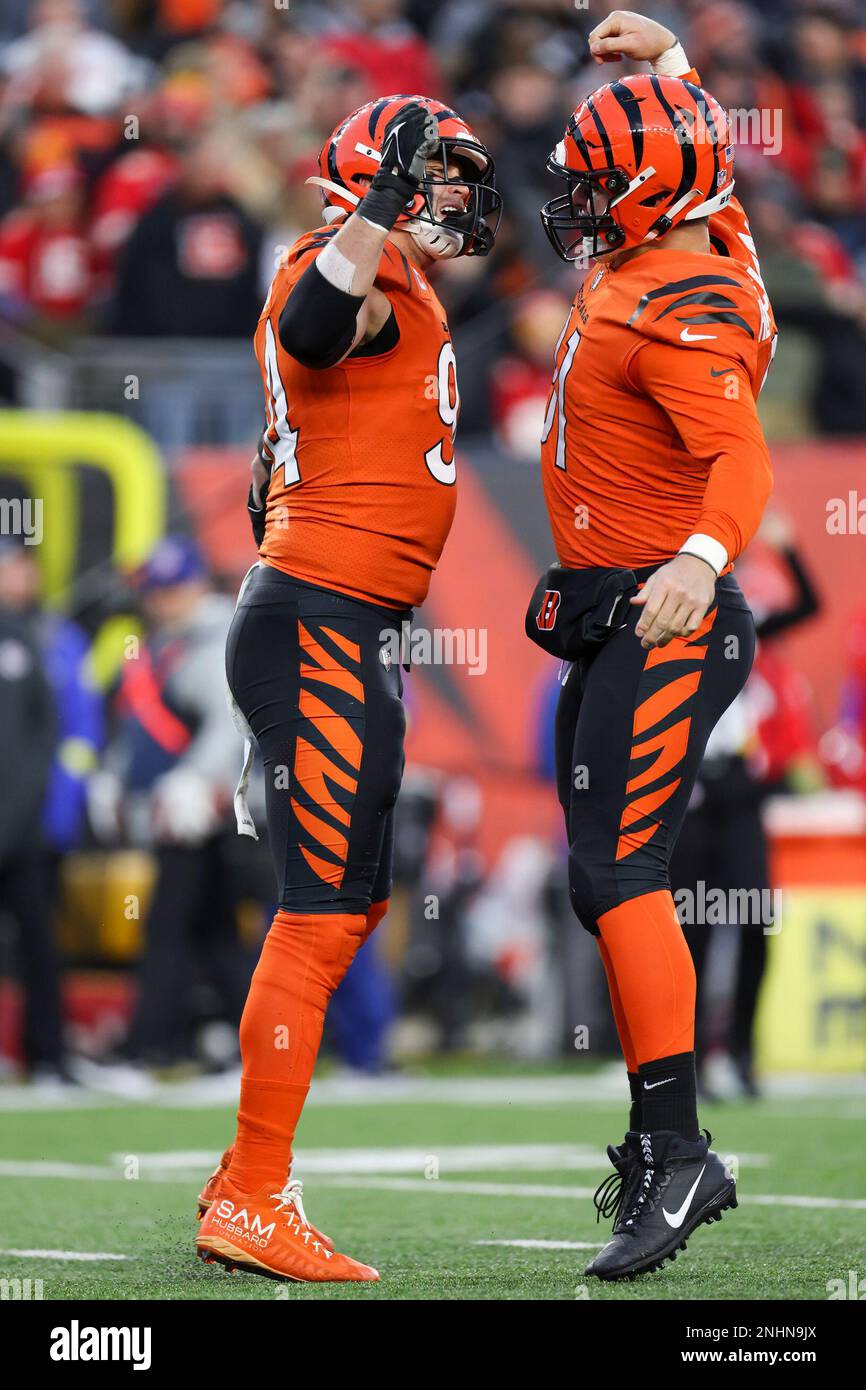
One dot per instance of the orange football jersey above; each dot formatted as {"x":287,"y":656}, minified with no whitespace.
{"x":363,"y":483}
{"x":652,"y":432}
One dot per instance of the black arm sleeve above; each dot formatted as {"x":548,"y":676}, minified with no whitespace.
{"x":805,"y":604}
{"x":318,"y":322}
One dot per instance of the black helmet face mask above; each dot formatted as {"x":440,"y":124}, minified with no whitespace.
{"x":469,"y":227}
{"x":578,"y":223}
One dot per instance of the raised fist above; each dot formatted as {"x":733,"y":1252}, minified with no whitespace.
{"x":411,"y":137}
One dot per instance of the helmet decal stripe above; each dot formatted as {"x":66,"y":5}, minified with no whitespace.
{"x":582,"y":147}
{"x":703,"y":106}
{"x":376,"y":112}
{"x":690,"y":162}
{"x":631,"y":106}
{"x":599,"y":125}
{"x":334,"y":172}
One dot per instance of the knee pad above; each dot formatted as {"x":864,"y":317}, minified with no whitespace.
{"x":604,"y":871}
{"x":592,"y":865}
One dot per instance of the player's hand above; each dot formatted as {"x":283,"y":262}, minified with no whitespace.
{"x":411,"y":137}
{"x":257,"y":500}
{"x":625,"y":34}
{"x":674,"y":600}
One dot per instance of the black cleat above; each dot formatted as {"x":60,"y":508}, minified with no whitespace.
{"x":675,"y":1186}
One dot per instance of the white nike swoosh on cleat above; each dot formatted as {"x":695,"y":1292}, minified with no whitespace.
{"x":651,"y":1085}
{"x":677,"y":1218}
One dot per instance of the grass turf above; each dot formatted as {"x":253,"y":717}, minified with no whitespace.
{"x":423,"y":1239}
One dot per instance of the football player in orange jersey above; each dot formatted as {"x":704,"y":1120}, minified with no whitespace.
{"x":353,"y":497}
{"x":655,"y":474}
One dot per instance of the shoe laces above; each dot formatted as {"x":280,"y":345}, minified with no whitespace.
{"x":609,"y":1196}
{"x":647,"y":1181}
{"x":292,"y":1195}
{"x":290,"y":1204}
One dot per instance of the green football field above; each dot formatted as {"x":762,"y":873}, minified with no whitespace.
{"x":454,"y":1187}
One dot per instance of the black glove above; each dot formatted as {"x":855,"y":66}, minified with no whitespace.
{"x":411,"y":137}
{"x":257,"y":514}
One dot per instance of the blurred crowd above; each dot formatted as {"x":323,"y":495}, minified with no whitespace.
{"x":153,"y":156}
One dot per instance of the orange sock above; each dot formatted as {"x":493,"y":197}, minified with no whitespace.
{"x":303,"y":959}
{"x":654,"y":976}
{"x":619,"y":1018}
{"x":375,"y":913}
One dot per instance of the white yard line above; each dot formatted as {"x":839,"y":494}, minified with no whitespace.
{"x":838,"y":1097}
{"x":450,"y":1158}
{"x":377,"y":1169}
{"x":545,"y":1244}
{"x":193,"y":1165}
{"x":534,"y":1191}
{"x":39,"y":1168}
{"x":455,"y":1158}
{"x":85,"y":1255}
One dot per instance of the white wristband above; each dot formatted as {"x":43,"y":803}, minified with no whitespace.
{"x":672,"y":63}
{"x":706,"y":548}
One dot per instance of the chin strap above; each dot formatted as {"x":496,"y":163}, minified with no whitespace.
{"x":442,"y":243}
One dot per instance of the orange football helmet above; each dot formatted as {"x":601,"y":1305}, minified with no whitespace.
{"x":638,"y":156}
{"x":351,"y":157}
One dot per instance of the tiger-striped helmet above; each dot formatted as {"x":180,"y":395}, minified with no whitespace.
{"x":351,"y":156}
{"x":639,"y":156}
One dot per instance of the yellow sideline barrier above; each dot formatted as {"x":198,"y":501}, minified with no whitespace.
{"x":812,"y":1015}
{"x":106,"y":895}
{"x":44,"y":450}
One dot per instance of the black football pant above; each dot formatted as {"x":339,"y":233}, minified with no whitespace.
{"x":631,"y":728}
{"x":317,"y":677}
